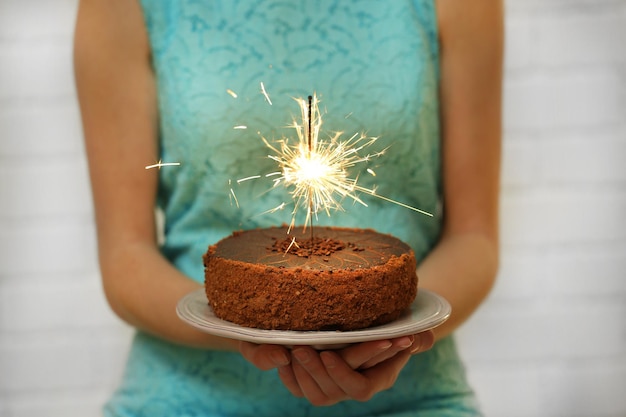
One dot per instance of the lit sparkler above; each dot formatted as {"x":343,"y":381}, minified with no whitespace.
{"x":316,"y":170}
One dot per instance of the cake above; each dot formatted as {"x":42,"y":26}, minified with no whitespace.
{"x":331,"y":279}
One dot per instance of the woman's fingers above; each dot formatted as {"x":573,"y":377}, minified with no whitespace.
{"x":357,"y":372}
{"x":362,"y":385}
{"x":423,"y":342}
{"x":360,"y":353}
{"x":397,"y":345}
{"x":315,"y":383}
{"x":264,"y":357}
{"x":288,"y":378}
{"x":368,"y":354}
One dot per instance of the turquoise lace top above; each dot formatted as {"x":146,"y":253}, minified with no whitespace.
{"x":221,"y":65}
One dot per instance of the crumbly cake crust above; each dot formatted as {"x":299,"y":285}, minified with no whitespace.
{"x":350,"y":279}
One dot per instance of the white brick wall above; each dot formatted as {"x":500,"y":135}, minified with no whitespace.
{"x":551,"y":339}
{"x":61,"y":349}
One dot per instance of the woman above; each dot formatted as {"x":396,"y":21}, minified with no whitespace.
{"x":157,"y":80}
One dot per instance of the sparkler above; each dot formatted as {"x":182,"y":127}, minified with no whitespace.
{"x":316,"y":170}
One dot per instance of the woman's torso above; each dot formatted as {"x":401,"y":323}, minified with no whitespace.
{"x":374,"y":65}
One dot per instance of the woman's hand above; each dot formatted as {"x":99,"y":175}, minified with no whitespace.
{"x":328,"y":377}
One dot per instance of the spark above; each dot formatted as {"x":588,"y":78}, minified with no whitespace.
{"x":162,"y":164}
{"x":232,"y":93}
{"x":233,"y":196}
{"x":252,"y":177}
{"x":279,"y":207}
{"x":267,"y":97}
{"x":240,"y":127}
{"x":293,"y":242}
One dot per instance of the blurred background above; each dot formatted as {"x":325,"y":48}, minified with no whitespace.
{"x":550,"y":340}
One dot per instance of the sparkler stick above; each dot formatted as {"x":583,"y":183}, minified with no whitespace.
{"x":310,"y":153}
{"x":309,"y":130}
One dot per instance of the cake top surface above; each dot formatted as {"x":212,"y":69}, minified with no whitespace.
{"x":331,"y":248}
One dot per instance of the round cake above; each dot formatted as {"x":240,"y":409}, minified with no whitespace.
{"x":331,"y":279}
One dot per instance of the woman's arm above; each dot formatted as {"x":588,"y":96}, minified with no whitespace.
{"x":117,"y":97}
{"x":463,"y":265}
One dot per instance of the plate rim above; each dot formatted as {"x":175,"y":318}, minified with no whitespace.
{"x":403,"y":326}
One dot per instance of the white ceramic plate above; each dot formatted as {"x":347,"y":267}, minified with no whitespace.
{"x":428,"y":311}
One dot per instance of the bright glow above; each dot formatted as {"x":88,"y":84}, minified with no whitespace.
{"x":308,"y":170}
